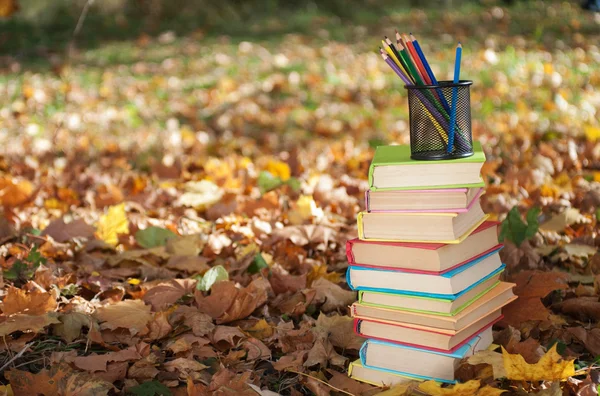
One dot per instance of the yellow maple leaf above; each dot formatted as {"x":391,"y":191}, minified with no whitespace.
{"x":592,"y":133}
{"x":112,"y":223}
{"x":550,"y":367}
{"x":396,"y":390}
{"x":279,"y":169}
{"x":320,"y":271}
{"x":470,"y":388}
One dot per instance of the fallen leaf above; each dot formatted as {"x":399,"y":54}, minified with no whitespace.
{"x":189,"y":264}
{"x":590,"y":338}
{"x":129,"y":314}
{"x":159,"y":326}
{"x":184,"y":366}
{"x":550,"y":367}
{"x":113,"y":223}
{"x":96,"y":362}
{"x":470,"y":388}
{"x":21,"y":322}
{"x":63,"y":232}
{"x":200,"y":323}
{"x":225,"y":382}
{"x":343,"y":382}
{"x":153,"y":236}
{"x":583,"y":308}
{"x":559,"y":222}
{"x":578,"y":250}
{"x":333,"y":296}
{"x":71,"y":324}
{"x":185,"y":342}
{"x":216,"y":274}
{"x":166,"y":294}
{"x":261,"y":330}
{"x":522,"y":310}
{"x":256,"y":350}
{"x":32,"y":303}
{"x":492,"y":358}
{"x":228,"y":334}
{"x":200,"y":194}
{"x":13,"y":192}
{"x":339,"y":330}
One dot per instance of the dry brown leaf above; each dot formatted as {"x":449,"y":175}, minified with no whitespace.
{"x":64,"y":232}
{"x":95,"y":362}
{"x":583,"y":308}
{"x":159,"y":326}
{"x":260,"y":330}
{"x":339,"y":330}
{"x":559,"y":222}
{"x":227,"y":334}
{"x":523,"y":310}
{"x":32,"y":303}
{"x":71,"y":324}
{"x":333,"y":296}
{"x":200,"y":323}
{"x":539,"y":284}
{"x":166,"y":294}
{"x":190,"y":264}
{"x":225,"y":382}
{"x":590,"y":338}
{"x":256,"y":349}
{"x":342,"y":381}
{"x":185,"y":342}
{"x":20,"y":322}
{"x":129,"y":314}
{"x":184,"y":366}
{"x":282,"y":281}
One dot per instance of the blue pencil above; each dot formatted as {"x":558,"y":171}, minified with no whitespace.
{"x":454,"y":98}
{"x":429,"y":72}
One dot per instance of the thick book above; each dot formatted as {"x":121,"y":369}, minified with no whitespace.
{"x":375,"y":376}
{"x":423,"y":257}
{"x":392,"y":168}
{"x":493,"y":276}
{"x":431,"y":338}
{"x":427,"y":304}
{"x":419,"y":227}
{"x":498,"y":297}
{"x":445,"y":200}
{"x":420,"y":363}
{"x":451,"y":282}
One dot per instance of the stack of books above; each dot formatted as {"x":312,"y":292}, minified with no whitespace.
{"x":426,"y":266}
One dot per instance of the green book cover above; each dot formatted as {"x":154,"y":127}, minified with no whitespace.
{"x":453,"y":313}
{"x":400,"y":155}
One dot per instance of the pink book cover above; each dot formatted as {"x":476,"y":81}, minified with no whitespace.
{"x":448,"y":210}
{"x":427,"y":246}
{"x":357,"y":331}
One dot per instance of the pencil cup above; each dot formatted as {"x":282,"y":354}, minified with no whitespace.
{"x":430,"y":112}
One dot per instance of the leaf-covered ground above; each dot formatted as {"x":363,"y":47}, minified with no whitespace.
{"x":176,"y":207}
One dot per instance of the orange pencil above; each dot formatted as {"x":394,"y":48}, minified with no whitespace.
{"x":417,"y":60}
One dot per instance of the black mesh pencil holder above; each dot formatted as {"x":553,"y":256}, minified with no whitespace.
{"x":430,"y":112}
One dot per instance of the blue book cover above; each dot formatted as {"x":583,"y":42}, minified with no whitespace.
{"x":460,"y":353}
{"x":449,"y":274}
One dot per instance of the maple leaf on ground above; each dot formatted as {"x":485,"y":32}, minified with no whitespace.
{"x":167,"y":293}
{"x":184,"y":366}
{"x":35,"y":302}
{"x":550,"y":367}
{"x":200,"y":323}
{"x":492,"y":358}
{"x":294,"y":360}
{"x":583,"y":308}
{"x":282,"y":282}
{"x":226,"y":382}
{"x":185,"y":342}
{"x":71,"y":324}
{"x":129,"y":314}
{"x":256,"y":350}
{"x":113,"y":223}
{"x":343,"y":382}
{"x":470,"y":388}
{"x":63,"y":232}
{"x":590,"y":338}
{"x":332,"y":295}
{"x":95,"y":362}
{"x":304,"y":234}
{"x":21,"y":322}
{"x":159,"y":326}
{"x":226,"y":333}
{"x":339,"y":330}
{"x":260,"y":330}
{"x":59,"y":379}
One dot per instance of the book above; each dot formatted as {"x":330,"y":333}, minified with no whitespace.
{"x":423,"y":257}
{"x":420,"y":363}
{"x":446,"y":200}
{"x":494,"y":275}
{"x":499,"y":296}
{"x":451,"y":282}
{"x":392,"y":168}
{"x":427,"y":304}
{"x":419,"y":227}
{"x":375,"y":376}
{"x":431,"y":338}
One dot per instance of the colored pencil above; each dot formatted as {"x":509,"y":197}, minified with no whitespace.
{"x":397,"y":54}
{"x":436,"y":118}
{"x":429,"y":72}
{"x":417,"y":60}
{"x":454,"y":97}
{"x":388,"y":49}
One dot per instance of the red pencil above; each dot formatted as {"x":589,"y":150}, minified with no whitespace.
{"x":417,"y":60}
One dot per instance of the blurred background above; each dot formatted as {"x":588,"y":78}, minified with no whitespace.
{"x":173,"y":83}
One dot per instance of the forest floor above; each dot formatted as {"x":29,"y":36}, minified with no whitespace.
{"x":176,"y":207}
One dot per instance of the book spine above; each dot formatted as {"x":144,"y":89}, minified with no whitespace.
{"x":359,"y":224}
{"x":349,"y":254}
{"x":362,"y":353}
{"x":360,"y":297}
{"x":348,"y":280}
{"x":357,"y":327}
{"x":367,"y":201}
